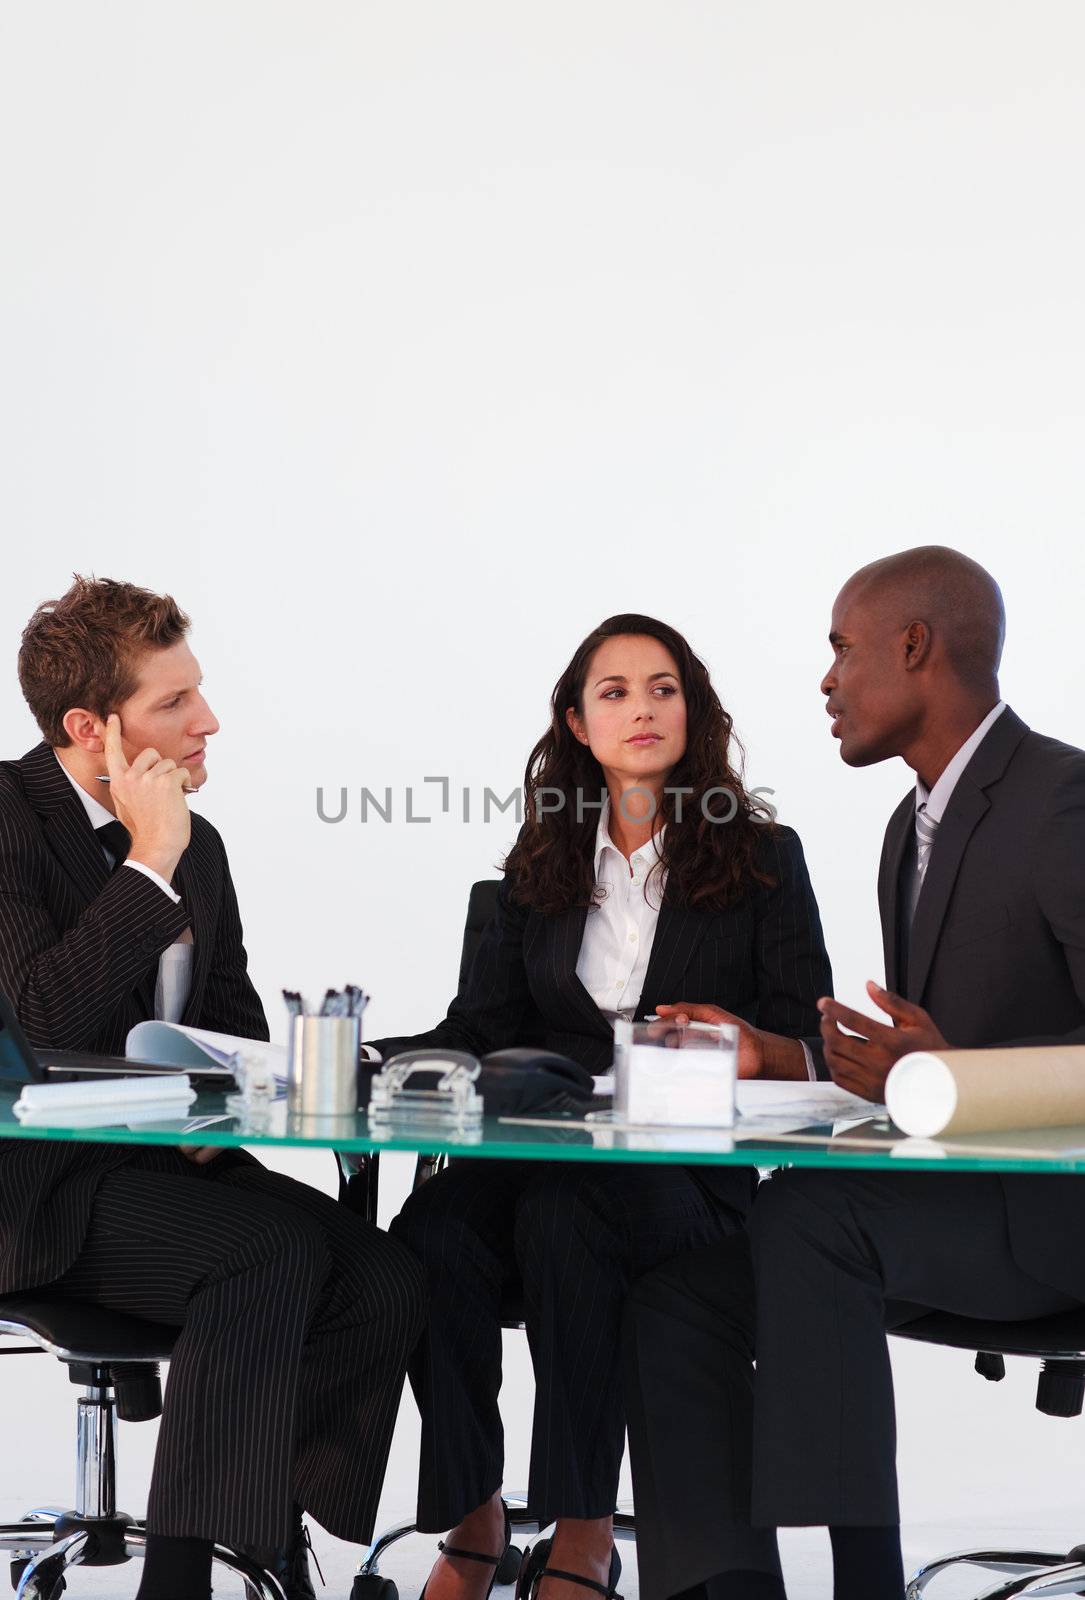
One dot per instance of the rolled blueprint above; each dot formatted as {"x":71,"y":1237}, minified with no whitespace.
{"x":930,"y":1093}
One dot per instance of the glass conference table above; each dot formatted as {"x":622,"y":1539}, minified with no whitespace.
{"x":867,"y":1142}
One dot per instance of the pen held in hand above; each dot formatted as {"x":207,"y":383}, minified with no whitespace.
{"x":103,"y":777}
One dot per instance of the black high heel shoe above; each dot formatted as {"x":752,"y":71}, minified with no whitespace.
{"x":533,"y":1569}
{"x":473,"y":1555}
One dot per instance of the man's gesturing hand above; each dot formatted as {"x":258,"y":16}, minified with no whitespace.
{"x":149,"y":799}
{"x":863,"y":1063}
{"x":760,"y":1054}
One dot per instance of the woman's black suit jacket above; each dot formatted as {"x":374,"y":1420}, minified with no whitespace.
{"x":763,"y":959}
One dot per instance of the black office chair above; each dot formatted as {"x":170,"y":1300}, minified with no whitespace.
{"x":1059,"y":1344}
{"x":481,"y":906}
{"x":115,"y":1359}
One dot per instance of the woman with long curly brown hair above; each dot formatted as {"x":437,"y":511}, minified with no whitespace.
{"x":644,"y":876}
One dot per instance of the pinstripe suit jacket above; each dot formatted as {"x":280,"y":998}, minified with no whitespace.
{"x":79,"y":951}
{"x":763,"y":959}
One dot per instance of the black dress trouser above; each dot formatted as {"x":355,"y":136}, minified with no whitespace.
{"x":296,"y":1320}
{"x":838,"y":1259}
{"x":557,"y":1244}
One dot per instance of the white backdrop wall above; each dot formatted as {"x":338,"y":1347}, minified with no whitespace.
{"x":405,"y":342}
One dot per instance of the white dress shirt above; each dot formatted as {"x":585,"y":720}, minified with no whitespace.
{"x":620,"y":929}
{"x":175,"y":963}
{"x":937,"y":799}
{"x":933,"y":802}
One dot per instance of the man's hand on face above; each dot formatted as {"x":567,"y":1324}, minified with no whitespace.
{"x":149,"y":797}
{"x":861,"y":1060}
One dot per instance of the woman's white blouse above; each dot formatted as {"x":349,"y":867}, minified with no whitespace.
{"x":620,"y":930}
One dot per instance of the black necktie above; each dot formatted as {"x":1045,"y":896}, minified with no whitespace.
{"x":117,"y":840}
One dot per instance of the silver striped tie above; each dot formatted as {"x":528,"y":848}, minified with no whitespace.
{"x":925,"y":830}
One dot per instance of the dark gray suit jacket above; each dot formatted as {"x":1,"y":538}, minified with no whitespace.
{"x":997,"y":947}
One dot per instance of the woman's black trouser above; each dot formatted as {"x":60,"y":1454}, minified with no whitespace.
{"x":558,"y":1244}
{"x":296,"y":1319}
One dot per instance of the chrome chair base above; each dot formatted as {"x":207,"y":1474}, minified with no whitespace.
{"x":1030,"y":1572}
{"x":516,"y":1503}
{"x":50,"y":1539}
{"x":42,"y":1541}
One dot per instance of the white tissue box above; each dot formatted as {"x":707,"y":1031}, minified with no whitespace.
{"x":691,"y":1085}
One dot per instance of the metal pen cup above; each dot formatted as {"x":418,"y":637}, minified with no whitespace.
{"x":322,"y":1066}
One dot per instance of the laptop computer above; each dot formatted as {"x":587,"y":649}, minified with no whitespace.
{"x":20,"y":1063}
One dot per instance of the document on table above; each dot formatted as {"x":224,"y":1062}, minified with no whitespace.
{"x":168,"y":1044}
{"x":762,"y":1097}
{"x":766,"y":1109}
{"x":778,"y":1106}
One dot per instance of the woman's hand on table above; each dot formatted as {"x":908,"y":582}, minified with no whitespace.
{"x":760,"y":1054}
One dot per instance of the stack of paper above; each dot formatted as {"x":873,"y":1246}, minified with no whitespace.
{"x":785,"y":1106}
{"x":104,"y":1102}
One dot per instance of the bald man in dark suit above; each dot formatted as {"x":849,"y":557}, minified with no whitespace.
{"x":981,"y":888}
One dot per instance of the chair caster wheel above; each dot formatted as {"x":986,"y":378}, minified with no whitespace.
{"x":509,"y":1566}
{"x":41,"y":1588}
{"x":371,"y":1586}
